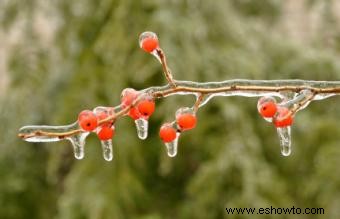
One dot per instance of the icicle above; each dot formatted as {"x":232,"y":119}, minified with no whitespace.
{"x":142,"y":128}
{"x":107,"y":149}
{"x":285,"y":140}
{"x":78,"y":143}
{"x":172,"y":146}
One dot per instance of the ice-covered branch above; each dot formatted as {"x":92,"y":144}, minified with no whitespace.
{"x":292,"y":95}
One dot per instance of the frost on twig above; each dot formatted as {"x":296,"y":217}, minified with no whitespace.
{"x":292,"y":95}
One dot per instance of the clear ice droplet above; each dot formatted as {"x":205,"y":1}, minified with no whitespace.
{"x":107,"y":149}
{"x":171,"y":147}
{"x":142,"y":128}
{"x":285,"y":140}
{"x":78,"y":143}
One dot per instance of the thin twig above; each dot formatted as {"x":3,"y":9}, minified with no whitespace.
{"x":166,"y":70}
{"x":298,"y":106}
{"x":198,"y":102}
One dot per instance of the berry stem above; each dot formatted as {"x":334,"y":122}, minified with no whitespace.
{"x":301,"y":103}
{"x":166,"y":70}
{"x":198,"y":102}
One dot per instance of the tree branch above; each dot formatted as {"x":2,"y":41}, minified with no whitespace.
{"x":249,"y":88}
{"x":295,"y":95}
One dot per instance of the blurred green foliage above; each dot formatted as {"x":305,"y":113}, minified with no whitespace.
{"x":231,"y":159}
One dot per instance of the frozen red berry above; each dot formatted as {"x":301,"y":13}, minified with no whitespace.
{"x":186,"y":118}
{"x":128,"y":96}
{"x":267,"y":107}
{"x":105,"y":132}
{"x":148,"y":41}
{"x":87,"y":120}
{"x":186,"y":121}
{"x":167,"y":133}
{"x":146,"y":107}
{"x":101,"y":115}
{"x":134,"y":113}
{"x":283,"y":118}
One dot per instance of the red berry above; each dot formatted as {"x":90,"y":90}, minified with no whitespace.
{"x":87,"y":120}
{"x":105,"y":133}
{"x":167,"y":133}
{"x":146,"y":107}
{"x":148,"y":41}
{"x":128,"y":96}
{"x":267,"y":107}
{"x":186,"y":121}
{"x":134,"y":113}
{"x":283,"y":118}
{"x":149,"y":44}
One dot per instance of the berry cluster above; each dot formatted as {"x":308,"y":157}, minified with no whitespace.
{"x":185,"y":120}
{"x":140,"y":105}
{"x":272,"y":112}
{"x":89,"y":121}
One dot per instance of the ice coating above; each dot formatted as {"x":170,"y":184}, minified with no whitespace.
{"x":299,"y":100}
{"x":109,"y":110}
{"x":145,"y":35}
{"x":40,"y":131}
